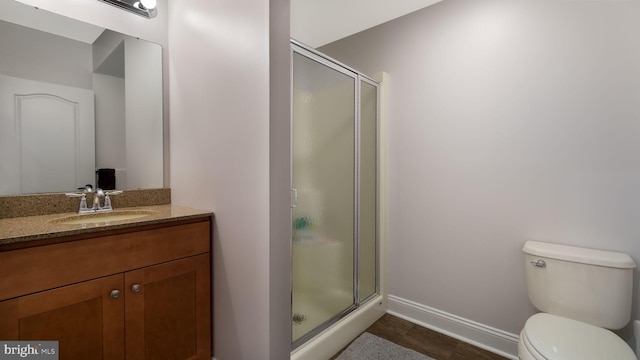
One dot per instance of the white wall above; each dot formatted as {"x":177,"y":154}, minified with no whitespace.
{"x":105,"y":48}
{"x":220,"y":160}
{"x":48,"y":58}
{"x":143,"y":99}
{"x":111,"y":139}
{"x":509,"y":121}
{"x":279,"y":180}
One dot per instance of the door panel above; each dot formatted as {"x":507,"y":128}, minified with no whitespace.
{"x":323,"y":174}
{"x":166,"y":313}
{"x":86,"y":321}
{"x":47,"y":139}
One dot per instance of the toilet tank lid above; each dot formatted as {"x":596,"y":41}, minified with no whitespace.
{"x":579,"y":255}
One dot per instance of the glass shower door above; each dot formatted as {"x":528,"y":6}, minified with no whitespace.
{"x":323,"y":191}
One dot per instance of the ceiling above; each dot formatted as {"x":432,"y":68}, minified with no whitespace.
{"x":25,"y":15}
{"x":319,"y":22}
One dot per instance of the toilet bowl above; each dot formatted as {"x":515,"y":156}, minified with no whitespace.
{"x":551,"y":337}
{"x":582,"y":293}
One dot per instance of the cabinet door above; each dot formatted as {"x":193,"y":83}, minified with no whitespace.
{"x":85,"y":318}
{"x":168,"y":312}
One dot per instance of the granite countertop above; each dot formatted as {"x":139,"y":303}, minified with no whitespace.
{"x":29,"y":228}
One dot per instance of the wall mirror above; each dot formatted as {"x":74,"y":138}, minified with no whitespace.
{"x":76,"y":98}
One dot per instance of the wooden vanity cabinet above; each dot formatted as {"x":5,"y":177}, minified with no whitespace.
{"x":149,"y":297}
{"x":86,"y":321}
{"x":165,"y":318}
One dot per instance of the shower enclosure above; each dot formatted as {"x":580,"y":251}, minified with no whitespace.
{"x":334,"y":191}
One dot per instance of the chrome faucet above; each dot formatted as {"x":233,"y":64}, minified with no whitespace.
{"x":97,"y":194}
{"x":96,"y":199}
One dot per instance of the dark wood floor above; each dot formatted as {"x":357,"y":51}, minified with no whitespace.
{"x":425,"y":341}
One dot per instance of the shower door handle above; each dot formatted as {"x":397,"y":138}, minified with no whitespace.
{"x":294,"y":198}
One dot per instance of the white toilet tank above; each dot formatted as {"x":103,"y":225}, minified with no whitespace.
{"x":588,"y":285}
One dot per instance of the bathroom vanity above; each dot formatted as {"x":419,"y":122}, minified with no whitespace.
{"x":134,"y":289}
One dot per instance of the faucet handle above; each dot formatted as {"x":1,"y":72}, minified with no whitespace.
{"x":83,"y":201}
{"x":107,"y":200}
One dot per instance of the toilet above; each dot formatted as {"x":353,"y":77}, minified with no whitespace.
{"x":581,"y":293}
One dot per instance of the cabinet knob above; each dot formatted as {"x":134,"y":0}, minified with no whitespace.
{"x":136,"y":288}
{"x":114,"y":294}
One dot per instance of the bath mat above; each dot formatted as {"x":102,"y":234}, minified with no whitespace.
{"x":371,"y":347}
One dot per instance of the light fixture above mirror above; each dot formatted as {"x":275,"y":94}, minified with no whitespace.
{"x":144,"y":8}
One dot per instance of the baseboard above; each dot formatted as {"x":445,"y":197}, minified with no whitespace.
{"x":486,"y":337}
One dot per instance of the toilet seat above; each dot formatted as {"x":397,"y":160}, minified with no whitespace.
{"x":551,"y":337}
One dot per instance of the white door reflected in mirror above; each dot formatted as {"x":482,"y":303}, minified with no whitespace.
{"x":46,"y":136}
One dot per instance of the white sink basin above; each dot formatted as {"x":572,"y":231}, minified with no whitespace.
{"x":107,"y":217}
